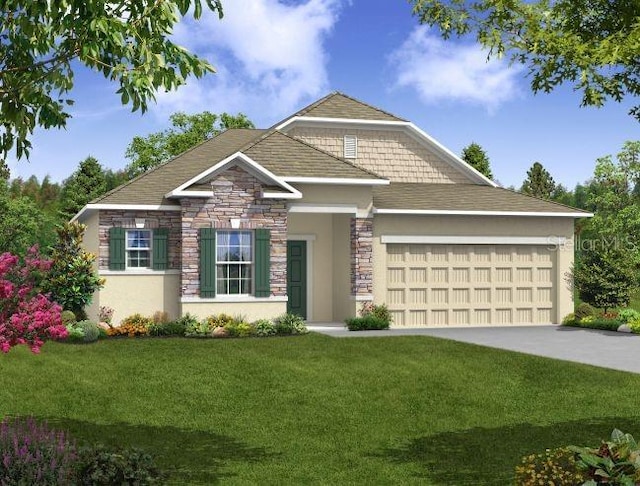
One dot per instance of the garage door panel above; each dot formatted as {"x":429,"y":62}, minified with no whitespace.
{"x":441,"y":285}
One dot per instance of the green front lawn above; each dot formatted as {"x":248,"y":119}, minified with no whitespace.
{"x":313,"y":409}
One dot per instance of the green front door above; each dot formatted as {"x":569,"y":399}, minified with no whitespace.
{"x":297,"y":277}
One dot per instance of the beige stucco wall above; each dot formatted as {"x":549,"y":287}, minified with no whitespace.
{"x":479,"y":226}
{"x":128,"y":294}
{"x":359,"y":196}
{"x":390,"y":153}
{"x":317,"y":230}
{"x":251,"y":311}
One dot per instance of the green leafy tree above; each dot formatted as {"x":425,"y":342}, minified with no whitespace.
{"x":605,"y":277}
{"x":539,"y":182}
{"x":592,"y":44}
{"x":476,"y":157}
{"x":84,"y":185}
{"x":126,"y":41}
{"x":187,"y":131}
{"x":22,"y":225}
{"x":72,"y":279}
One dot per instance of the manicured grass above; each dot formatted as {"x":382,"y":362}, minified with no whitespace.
{"x":313,"y":409}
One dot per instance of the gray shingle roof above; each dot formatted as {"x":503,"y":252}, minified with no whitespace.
{"x":284,"y":156}
{"x":339,"y":105}
{"x":461,"y":197}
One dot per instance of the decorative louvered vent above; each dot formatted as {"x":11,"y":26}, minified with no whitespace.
{"x":350,"y":146}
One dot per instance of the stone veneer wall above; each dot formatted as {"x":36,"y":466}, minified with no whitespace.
{"x":361,"y":256}
{"x":389,"y":153}
{"x":237,"y":195}
{"x":153,"y":219}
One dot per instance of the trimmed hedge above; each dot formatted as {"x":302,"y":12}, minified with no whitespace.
{"x":604,"y":324}
{"x":366,"y":323}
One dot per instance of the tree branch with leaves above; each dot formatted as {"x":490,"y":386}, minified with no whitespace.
{"x":127,"y":41}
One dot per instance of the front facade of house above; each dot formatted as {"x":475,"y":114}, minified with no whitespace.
{"x":337,"y":205}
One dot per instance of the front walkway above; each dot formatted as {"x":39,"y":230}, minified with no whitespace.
{"x":615,"y":350}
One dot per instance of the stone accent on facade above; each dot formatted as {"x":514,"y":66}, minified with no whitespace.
{"x":153,"y":219}
{"x":391,"y":154}
{"x":361,"y":256}
{"x":236,"y":196}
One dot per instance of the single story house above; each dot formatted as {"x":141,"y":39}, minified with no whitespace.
{"x":339,"y":204}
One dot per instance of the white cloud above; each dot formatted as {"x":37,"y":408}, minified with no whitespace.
{"x":269,"y":56}
{"x":443,"y":70}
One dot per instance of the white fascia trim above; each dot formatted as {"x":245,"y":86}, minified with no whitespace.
{"x":338,"y":181}
{"x":130,"y":207}
{"x":342,"y":121}
{"x":474,"y":240}
{"x":323,"y":208}
{"x":482,"y":213}
{"x":448,"y":155}
{"x":252,"y":164}
{"x":281,"y":195}
{"x":138,"y":272}
{"x":191,"y":194}
{"x":226,"y":299}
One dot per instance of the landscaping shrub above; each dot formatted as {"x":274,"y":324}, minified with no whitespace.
{"x":195,"y":328}
{"x":264,"y":328}
{"x":244,"y":329}
{"x":593,"y":323}
{"x":584,"y":310}
{"x":160,"y":317}
{"x":568,"y":318}
{"x":26,"y":316}
{"x":286,"y":324}
{"x":554,"y":466}
{"x":90,"y":330}
{"x":635,"y":326}
{"x":366,"y":323}
{"x":625,"y":316}
{"x":67,"y":317}
{"x":616,"y":461}
{"x":75,"y":333}
{"x":379,"y":311}
{"x":134,"y":325}
{"x":172,"y":328}
{"x":105,"y":314}
{"x":32,"y":453}
{"x":220,"y":320}
{"x":106,"y":467}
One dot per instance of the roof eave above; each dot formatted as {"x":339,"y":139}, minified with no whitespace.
{"x":453,"y":212}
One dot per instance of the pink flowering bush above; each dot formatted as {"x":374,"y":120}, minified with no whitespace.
{"x":26,"y":315}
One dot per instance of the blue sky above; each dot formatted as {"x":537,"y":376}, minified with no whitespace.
{"x":274,"y":57}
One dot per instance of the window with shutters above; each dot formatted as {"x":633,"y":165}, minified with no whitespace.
{"x":138,"y":248}
{"x":234,"y":262}
{"x":350,"y":146}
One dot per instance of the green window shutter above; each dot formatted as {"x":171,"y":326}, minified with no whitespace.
{"x":263,"y":262}
{"x":207,"y":262}
{"x":161,"y":248}
{"x":117,"y":253}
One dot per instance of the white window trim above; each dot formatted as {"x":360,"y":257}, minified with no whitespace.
{"x":250,"y":263}
{"x":232,"y":298}
{"x":140,"y":272}
{"x":127,"y":250}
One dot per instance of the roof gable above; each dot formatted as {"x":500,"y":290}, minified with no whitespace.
{"x":339,"y":105}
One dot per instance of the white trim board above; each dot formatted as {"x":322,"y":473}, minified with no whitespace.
{"x":139,"y":272}
{"x":126,"y":207}
{"x":340,"y":181}
{"x":226,"y":299}
{"x":550,"y":240}
{"x":448,"y":212}
{"x":323,"y":208}
{"x":253,"y":167}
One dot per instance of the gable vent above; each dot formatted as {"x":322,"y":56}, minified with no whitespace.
{"x":350,"y":146}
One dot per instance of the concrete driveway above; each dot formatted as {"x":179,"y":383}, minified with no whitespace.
{"x":615,"y":350}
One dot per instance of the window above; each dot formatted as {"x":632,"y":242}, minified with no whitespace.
{"x":350,"y":146}
{"x":138,"y":248}
{"x":234,"y":259}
